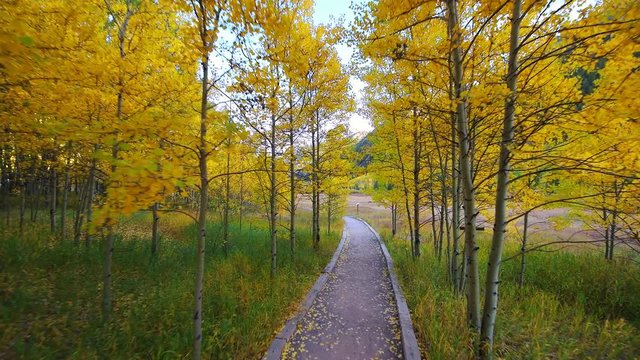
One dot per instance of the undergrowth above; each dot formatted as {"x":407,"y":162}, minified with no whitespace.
{"x":50,"y":292}
{"x":572,"y":306}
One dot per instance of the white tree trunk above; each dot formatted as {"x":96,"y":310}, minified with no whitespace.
{"x":468,"y":191}
{"x":499,"y":227}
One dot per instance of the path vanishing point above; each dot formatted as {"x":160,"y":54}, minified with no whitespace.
{"x":355,"y":310}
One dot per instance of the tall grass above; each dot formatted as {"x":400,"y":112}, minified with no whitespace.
{"x":573,"y":306}
{"x":50,"y":293}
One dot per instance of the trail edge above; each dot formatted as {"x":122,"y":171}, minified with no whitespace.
{"x":275,"y":350}
{"x":410,"y":348}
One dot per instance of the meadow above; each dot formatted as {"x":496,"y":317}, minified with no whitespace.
{"x":573,"y":305}
{"x":50,"y":293}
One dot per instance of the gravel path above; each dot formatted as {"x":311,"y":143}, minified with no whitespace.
{"x":354,"y":316}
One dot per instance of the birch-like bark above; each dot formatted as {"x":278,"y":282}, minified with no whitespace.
{"x":204,"y":184}
{"x":617,"y":190}
{"x":204,"y":20}
{"x":612,"y":233}
{"x":432,"y":206}
{"x":405,"y":187}
{"x":65,"y":195}
{"x":523,"y":250}
{"x":416,"y":187}
{"x":20,"y":177}
{"x":328,"y":215}
{"x":441,"y":228}
{"x":464,"y":140}
{"x":434,"y":231}
{"x":23,"y":201}
{"x":241,"y":205}
{"x":605,"y":216}
{"x":317,"y":172}
{"x":33,"y":191}
{"x":499,"y":227}
{"x":91,"y":188}
{"x":202,"y":209}
{"x":455,"y":213}
{"x":107,"y":264}
{"x":314,"y":206}
{"x":155,"y":233}
{"x":5,"y":183}
{"x":292,"y":178}
{"x":80,"y":213}
{"x":110,"y":237}
{"x":394,"y":219}
{"x":272,"y":196}
{"x":155,"y":225}
{"x":53,"y":186}
{"x":227,"y":200}
{"x":315,"y":181}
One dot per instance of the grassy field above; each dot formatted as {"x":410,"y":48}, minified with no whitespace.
{"x":574,"y":305}
{"x":50,"y":292}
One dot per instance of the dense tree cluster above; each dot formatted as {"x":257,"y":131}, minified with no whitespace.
{"x":500,"y":108}
{"x":112,"y":107}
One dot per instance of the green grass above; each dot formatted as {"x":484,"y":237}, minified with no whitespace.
{"x":573,"y":306}
{"x":50,"y":293}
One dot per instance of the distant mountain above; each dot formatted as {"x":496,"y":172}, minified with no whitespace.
{"x":359,"y":135}
{"x":362,"y":148}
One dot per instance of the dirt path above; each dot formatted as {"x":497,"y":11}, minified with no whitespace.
{"x":354,"y":316}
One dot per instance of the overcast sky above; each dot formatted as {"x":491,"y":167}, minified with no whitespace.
{"x":323,"y":11}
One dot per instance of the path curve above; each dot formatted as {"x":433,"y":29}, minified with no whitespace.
{"x":354,"y":314}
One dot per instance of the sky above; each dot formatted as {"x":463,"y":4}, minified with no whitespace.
{"x":324,"y":10}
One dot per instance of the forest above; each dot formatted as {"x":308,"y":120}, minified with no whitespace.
{"x":176,"y":175}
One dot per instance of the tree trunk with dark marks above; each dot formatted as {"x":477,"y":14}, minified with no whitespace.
{"x":499,"y":227}
{"x":315,"y":186}
{"x":106,"y":274}
{"x":405,"y":186}
{"x":65,"y":195}
{"x":202,"y":16}
{"x":33,"y":191}
{"x":272,"y":197}
{"x":523,"y":250}
{"x":394,"y":219}
{"x":314,"y":205}
{"x":53,"y":185}
{"x":91,"y":188}
{"x":292,"y":177}
{"x":80,"y":213}
{"x":23,"y":201}
{"x":468,"y":190}
{"x":605,"y":216}
{"x":317,"y":172}
{"x":456,"y":269}
{"x":21,"y":179}
{"x":155,"y":233}
{"x":328,"y":214}
{"x":108,"y":241}
{"x":110,"y":236}
{"x":5,"y":183}
{"x":241,"y":205}
{"x":612,"y":234}
{"x":416,"y":186}
{"x":441,"y":229}
{"x":617,"y":191}
{"x":432,"y":206}
{"x":227,"y":200}
{"x":155,"y":225}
